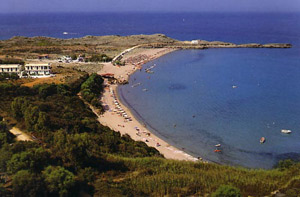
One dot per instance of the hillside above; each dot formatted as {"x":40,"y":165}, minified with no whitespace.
{"x":25,"y":47}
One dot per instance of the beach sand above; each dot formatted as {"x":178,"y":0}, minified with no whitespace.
{"x":134,"y":128}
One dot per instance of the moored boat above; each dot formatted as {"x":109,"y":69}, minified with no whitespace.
{"x":286,"y":131}
{"x":149,"y":71}
{"x":135,"y":85}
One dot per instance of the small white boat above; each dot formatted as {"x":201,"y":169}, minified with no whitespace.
{"x":217,"y":145}
{"x":234,"y":86}
{"x":286,"y":131}
{"x":145,"y":90}
{"x":65,"y":33}
{"x":135,"y":85}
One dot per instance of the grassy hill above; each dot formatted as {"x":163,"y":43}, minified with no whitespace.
{"x":25,"y":47}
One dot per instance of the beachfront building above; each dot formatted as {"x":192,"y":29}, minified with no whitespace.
{"x":38,"y":70}
{"x":10,"y":68}
{"x":195,"y":42}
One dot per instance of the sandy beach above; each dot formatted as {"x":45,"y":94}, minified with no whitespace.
{"x":119,"y":118}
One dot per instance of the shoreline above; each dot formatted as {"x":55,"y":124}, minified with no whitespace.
{"x":136,"y":129}
{"x":152,"y":129}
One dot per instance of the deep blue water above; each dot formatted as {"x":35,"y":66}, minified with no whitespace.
{"x":231,"y":27}
{"x":199,"y":82}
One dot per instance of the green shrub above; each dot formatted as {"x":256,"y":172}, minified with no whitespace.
{"x":11,"y":61}
{"x":59,"y":180}
{"x":91,"y":90}
{"x":26,"y":183}
{"x":227,"y":191}
{"x":5,"y":76}
{"x":285,"y":164}
{"x":100,"y":58}
{"x":74,"y":57}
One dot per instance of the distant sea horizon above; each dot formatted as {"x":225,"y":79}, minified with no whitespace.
{"x":177,"y":25}
{"x":193,"y":89}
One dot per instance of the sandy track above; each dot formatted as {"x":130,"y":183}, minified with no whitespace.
{"x":20,"y":135}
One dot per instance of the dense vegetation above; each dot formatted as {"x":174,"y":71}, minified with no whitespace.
{"x":91,"y":89}
{"x":119,"y":63}
{"x":11,"y":61}
{"x":72,"y":145}
{"x":100,"y":58}
{"x":75,"y":155}
{"x":5,"y":76}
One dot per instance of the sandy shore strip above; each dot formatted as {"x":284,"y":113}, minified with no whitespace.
{"x":119,"y":118}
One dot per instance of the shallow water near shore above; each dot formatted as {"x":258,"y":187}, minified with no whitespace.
{"x":191,"y":103}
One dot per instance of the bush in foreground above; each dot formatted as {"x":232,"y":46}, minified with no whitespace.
{"x":227,"y":191}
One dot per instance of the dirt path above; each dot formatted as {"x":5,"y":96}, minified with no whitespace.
{"x":20,"y":135}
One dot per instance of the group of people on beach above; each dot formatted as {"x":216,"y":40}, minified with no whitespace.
{"x":118,"y":109}
{"x":137,"y":60}
{"x":141,"y":133}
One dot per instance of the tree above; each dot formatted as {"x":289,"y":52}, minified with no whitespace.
{"x":31,"y":117}
{"x":59,"y":180}
{"x":86,"y":178}
{"x":100,"y":58}
{"x":5,"y":155}
{"x":5,"y":135}
{"x":19,"y":161}
{"x":18,"y":107}
{"x":74,"y":150}
{"x":74,"y":57}
{"x":42,"y":123}
{"x":26,"y":183}
{"x":46,"y":90}
{"x":33,"y":160}
{"x":91,"y":90}
{"x":227,"y":191}
{"x":63,"y":90}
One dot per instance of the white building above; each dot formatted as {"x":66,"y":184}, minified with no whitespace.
{"x":38,"y":70}
{"x":195,"y":41}
{"x":65,"y":59}
{"x":10,"y":68}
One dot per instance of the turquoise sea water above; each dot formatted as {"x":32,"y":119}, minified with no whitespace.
{"x":193,"y":89}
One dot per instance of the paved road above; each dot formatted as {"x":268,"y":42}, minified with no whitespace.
{"x":124,"y":52}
